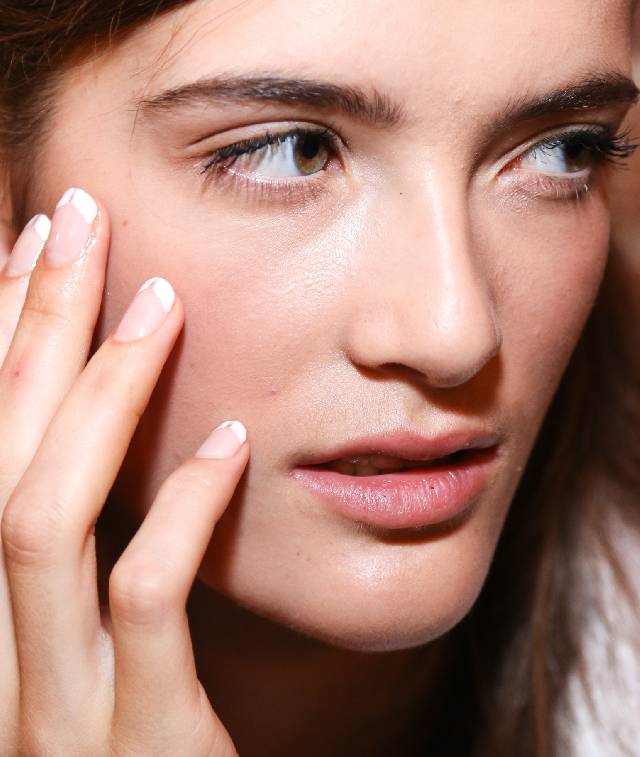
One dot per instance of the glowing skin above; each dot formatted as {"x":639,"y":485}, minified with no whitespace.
{"x":422,"y":281}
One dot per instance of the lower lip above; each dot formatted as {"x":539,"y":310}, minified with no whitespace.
{"x":409,"y":499}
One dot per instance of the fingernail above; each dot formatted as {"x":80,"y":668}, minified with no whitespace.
{"x":148,"y":310}
{"x":28,"y":247}
{"x":224,"y":442}
{"x":72,"y":227}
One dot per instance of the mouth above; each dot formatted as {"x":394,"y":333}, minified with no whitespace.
{"x":402,"y":480}
{"x":380,"y":465}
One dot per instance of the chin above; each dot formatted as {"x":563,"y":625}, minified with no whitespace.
{"x":369,"y":616}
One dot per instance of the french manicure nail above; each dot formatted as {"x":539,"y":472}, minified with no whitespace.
{"x":224,"y":441}
{"x":147,"y":311}
{"x":72,"y":227}
{"x":28,"y":247}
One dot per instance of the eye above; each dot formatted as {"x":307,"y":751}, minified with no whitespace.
{"x":290,"y":155}
{"x":575,"y":152}
{"x":565,"y":166}
{"x":566,"y":157}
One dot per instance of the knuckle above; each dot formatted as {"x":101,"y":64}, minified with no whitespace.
{"x":43,"y":310}
{"x":113,"y":386}
{"x":28,"y":536}
{"x":37,"y":739}
{"x":139,"y":593}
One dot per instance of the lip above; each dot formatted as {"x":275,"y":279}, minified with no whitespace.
{"x":417,"y":497}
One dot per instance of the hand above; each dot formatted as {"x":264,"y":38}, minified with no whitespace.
{"x":71,"y":682}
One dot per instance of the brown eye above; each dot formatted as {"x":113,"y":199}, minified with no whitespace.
{"x":311,"y":154}
{"x":297,"y":153}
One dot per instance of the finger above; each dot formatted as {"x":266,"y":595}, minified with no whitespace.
{"x":7,"y":240}
{"x":13,"y":287}
{"x":15,"y":277}
{"x":54,"y":331}
{"x":155,"y":672}
{"x":47,"y":527}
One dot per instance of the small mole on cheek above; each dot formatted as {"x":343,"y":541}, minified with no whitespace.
{"x":125,"y":222}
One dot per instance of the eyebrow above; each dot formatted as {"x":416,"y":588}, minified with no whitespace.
{"x":372,"y":106}
{"x":375,"y":107}
{"x":594,"y":91}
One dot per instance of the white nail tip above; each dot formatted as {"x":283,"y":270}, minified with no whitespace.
{"x":162,"y":290}
{"x":82,"y":202}
{"x":42,"y":226}
{"x":66,"y":198}
{"x":238,"y":429}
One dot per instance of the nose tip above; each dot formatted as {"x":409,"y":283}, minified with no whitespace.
{"x":466,"y":347}
{"x":432,"y":309}
{"x":445,"y":352}
{"x":465,"y":334}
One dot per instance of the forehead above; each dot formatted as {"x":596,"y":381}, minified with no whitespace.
{"x":444,"y":51}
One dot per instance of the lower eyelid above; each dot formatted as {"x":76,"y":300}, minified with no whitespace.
{"x":547,"y":187}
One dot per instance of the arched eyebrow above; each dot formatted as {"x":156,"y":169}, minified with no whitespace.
{"x":596,"y":90}
{"x":372,"y":106}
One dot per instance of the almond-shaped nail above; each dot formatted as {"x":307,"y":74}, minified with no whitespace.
{"x":28,"y":247}
{"x":147,"y":311}
{"x":224,"y":441}
{"x":72,"y":227}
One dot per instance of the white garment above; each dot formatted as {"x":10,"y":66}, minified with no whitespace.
{"x":602,"y":719}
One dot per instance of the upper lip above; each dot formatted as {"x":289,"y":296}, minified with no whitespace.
{"x":405,"y":445}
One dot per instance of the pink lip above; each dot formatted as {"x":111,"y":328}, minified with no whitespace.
{"x":413,"y":498}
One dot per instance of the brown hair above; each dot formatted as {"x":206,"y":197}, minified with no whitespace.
{"x":508,"y":662}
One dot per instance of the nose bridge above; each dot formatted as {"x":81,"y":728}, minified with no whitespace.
{"x":432,"y":309}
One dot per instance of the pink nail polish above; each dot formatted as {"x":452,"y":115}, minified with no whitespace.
{"x":72,"y":227}
{"x":28,"y":247}
{"x":147,"y":312}
{"x":224,"y":441}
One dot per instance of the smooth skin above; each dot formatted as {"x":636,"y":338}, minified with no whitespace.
{"x":425,"y":283}
{"x":109,"y":683}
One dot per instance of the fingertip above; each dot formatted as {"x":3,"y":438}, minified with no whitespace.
{"x":224,"y":442}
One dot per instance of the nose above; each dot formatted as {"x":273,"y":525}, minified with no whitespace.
{"x":421,"y":298}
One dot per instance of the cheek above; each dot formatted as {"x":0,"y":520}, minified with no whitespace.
{"x":260,"y":305}
{"x":546,"y":290}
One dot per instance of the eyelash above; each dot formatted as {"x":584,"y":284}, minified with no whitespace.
{"x":602,"y":146}
{"x":218,"y":164}
{"x":247,"y":146}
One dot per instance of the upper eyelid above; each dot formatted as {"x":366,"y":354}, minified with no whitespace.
{"x":281,"y":136}
{"x":544,"y":139}
{"x":258,"y":130}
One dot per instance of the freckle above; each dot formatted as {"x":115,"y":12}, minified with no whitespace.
{"x":125,"y":222}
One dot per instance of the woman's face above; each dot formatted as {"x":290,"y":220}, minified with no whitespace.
{"x":406,"y":273}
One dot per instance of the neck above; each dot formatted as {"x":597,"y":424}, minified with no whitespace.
{"x":280,"y":693}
